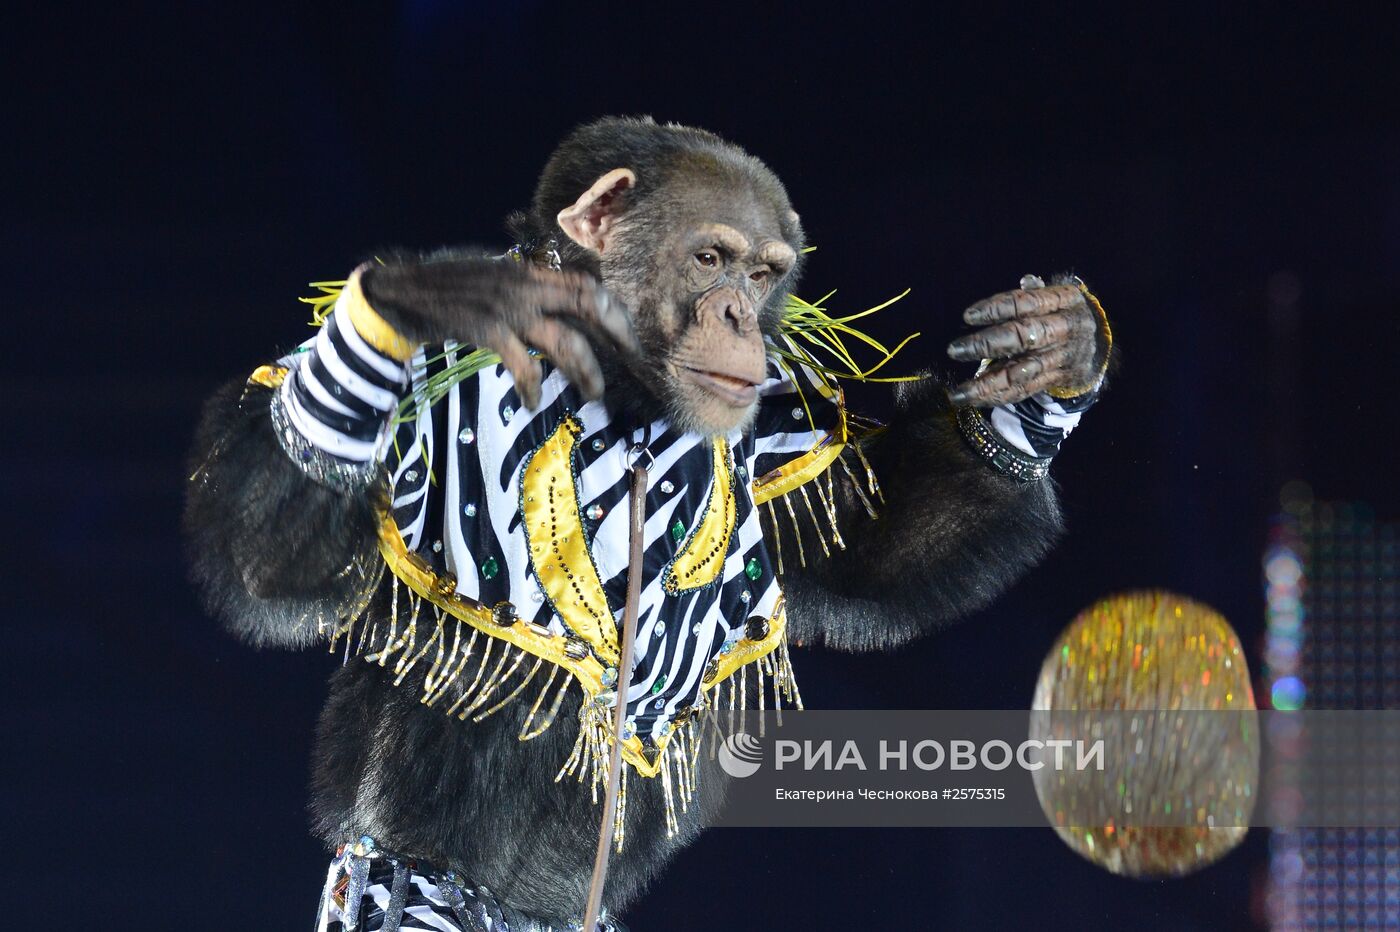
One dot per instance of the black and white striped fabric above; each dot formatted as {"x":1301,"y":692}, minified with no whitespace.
{"x":455,"y":476}
{"x":340,"y":391}
{"x":468,"y":523}
{"x":1039,"y":424}
{"x":383,"y":892}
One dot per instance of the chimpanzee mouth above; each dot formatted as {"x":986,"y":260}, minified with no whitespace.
{"x":737,"y":391}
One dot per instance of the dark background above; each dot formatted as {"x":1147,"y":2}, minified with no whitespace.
{"x":1227,"y":179}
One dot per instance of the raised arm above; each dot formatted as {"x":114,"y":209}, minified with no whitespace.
{"x":962,"y":503}
{"x":280,"y":515}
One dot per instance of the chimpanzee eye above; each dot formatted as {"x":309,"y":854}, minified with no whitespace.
{"x":707,"y":259}
{"x":759,"y":276}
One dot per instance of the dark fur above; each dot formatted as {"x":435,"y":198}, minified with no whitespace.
{"x":270,"y":550}
{"x":951,"y":537}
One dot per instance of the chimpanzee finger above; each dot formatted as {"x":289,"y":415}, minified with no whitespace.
{"x":1015,"y":337}
{"x":1011,"y":380}
{"x":568,"y":349}
{"x":580,"y":295}
{"x":1010,"y":305}
{"x":515,"y":356}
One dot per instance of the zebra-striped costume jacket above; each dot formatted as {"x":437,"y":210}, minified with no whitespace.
{"x":508,"y":528}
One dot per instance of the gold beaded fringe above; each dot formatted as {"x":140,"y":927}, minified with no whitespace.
{"x":484,"y":674}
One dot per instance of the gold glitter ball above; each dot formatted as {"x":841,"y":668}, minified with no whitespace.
{"x":1163,"y":681}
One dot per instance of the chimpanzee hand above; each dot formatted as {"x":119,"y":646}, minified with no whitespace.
{"x":506,"y":307}
{"x":1034,"y":339}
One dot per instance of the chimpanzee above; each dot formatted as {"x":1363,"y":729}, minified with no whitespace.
{"x":440,"y":484}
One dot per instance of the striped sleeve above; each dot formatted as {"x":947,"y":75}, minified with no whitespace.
{"x":1039,"y":424}
{"x":340,"y":393}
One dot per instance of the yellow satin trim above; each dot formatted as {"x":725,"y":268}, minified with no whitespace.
{"x":418,"y":575}
{"x":700,"y":559}
{"x":797,"y":472}
{"x":268,"y":376}
{"x":558,"y":546}
{"x":375,"y":330}
{"x":745,"y":651}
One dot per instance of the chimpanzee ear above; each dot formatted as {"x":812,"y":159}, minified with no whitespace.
{"x":590,"y":221}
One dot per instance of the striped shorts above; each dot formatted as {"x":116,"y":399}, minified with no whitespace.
{"x":376,"y":891}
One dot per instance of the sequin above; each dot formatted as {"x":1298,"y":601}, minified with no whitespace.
{"x":598,"y":445}
{"x":1153,"y":674}
{"x":595,"y":511}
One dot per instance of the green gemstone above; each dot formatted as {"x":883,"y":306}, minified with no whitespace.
{"x":677,"y":531}
{"x":659,"y":684}
{"x":490,"y":568}
{"x":752,"y":569}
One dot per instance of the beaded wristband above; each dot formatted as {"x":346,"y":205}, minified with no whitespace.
{"x":321,"y":467}
{"x":1004,"y":459}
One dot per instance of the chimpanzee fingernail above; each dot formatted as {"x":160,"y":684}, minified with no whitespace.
{"x":961,"y":349}
{"x":958,"y":396}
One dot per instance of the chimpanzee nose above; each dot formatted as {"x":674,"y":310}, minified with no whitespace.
{"x":738,"y":313}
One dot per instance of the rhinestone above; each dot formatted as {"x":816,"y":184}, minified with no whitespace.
{"x":507,"y":413}
{"x":469,"y":509}
{"x":659,"y":704}
{"x":609,"y":676}
{"x":437,"y":546}
{"x":490,"y":568}
{"x":659,"y":685}
{"x":797,"y":414}
{"x":695,"y":628}
{"x":629,"y":728}
{"x":598,"y":444}
{"x":467,"y":435}
{"x":665,"y":728}
{"x":411,"y":475}
{"x":756,"y":629}
{"x":595,"y":511}
{"x":742,"y":471}
{"x":745,"y":596}
{"x":752,"y":569}
{"x":677,"y":531}
{"x":668,"y":487}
